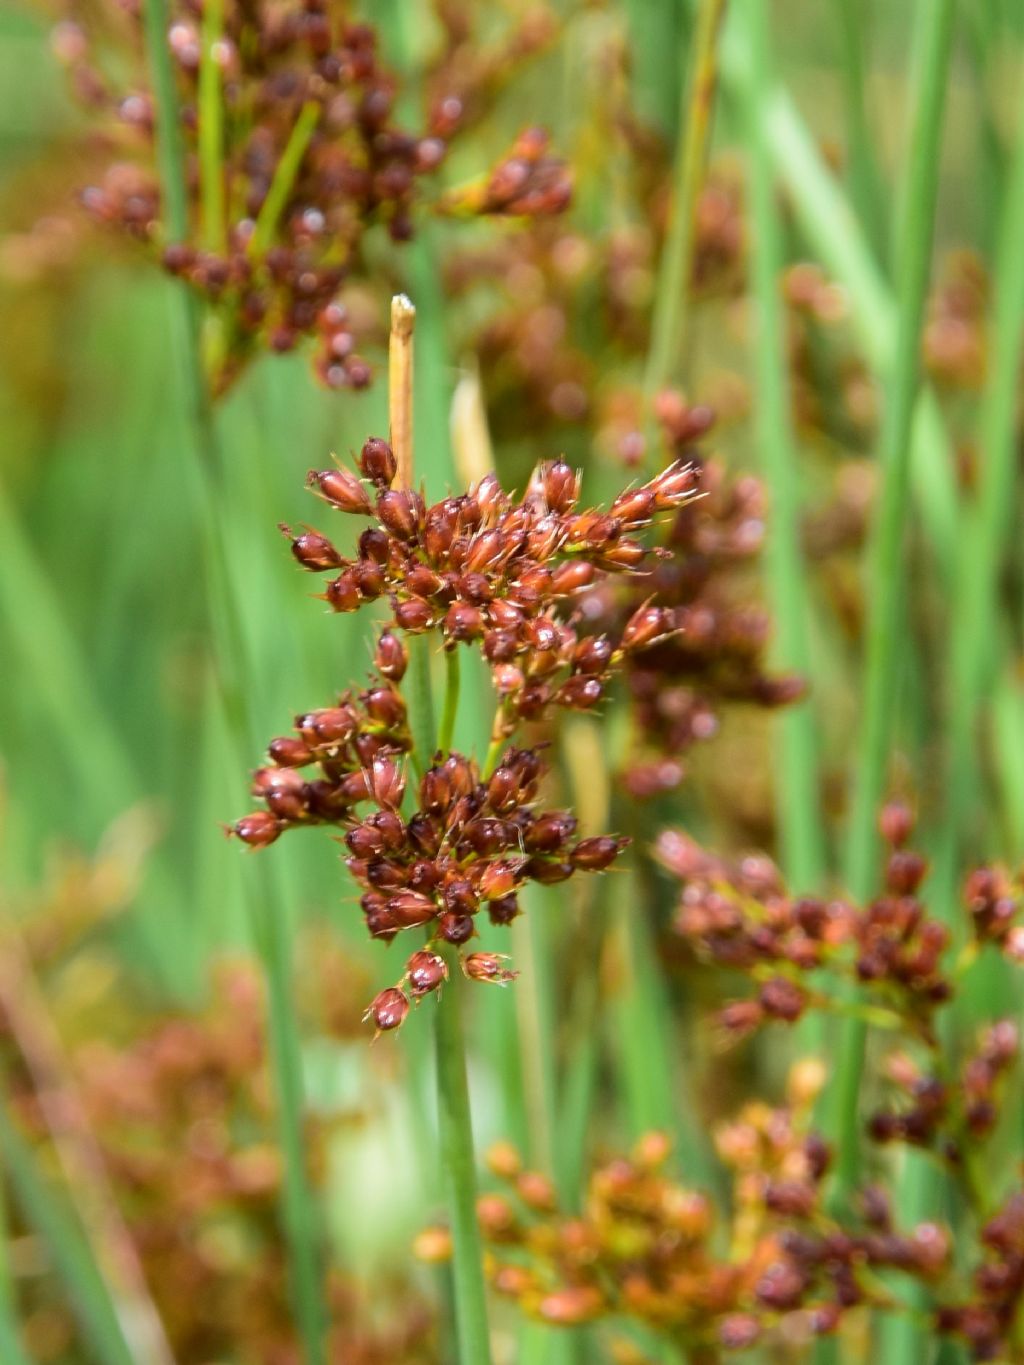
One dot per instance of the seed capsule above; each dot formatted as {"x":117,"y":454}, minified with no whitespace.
{"x":343,"y":592}
{"x":399,"y":510}
{"x":341,"y":489}
{"x":411,"y":908}
{"x":314,"y":551}
{"x":288,"y":752}
{"x":414,"y":615}
{"x":456,"y":928}
{"x":391,"y":658}
{"x":377,"y":462}
{"x":488,"y":967}
{"x":258,"y":830}
{"x":388,"y":1009}
{"x":284,"y":791}
{"x":425,"y":971}
{"x":645,"y":626}
{"x":594,"y":855}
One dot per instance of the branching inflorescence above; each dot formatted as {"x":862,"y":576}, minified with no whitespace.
{"x":291,"y":165}
{"x":481,"y":569}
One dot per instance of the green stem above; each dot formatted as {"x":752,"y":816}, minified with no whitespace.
{"x":974,"y":633}
{"x":798,"y":795}
{"x":284,"y":179}
{"x":865,"y":179}
{"x":298,"y":1210}
{"x":886,"y":570}
{"x":11,"y":1349}
{"x":451,"y":701}
{"x":211,"y":131}
{"x":455,"y":1126}
{"x":668,"y":325}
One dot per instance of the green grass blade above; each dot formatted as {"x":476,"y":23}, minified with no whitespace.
{"x":886,"y":567}
{"x":798,"y":795}
{"x":69,"y":1249}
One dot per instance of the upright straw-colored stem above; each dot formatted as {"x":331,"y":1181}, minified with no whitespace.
{"x":886,"y":568}
{"x":669,"y":323}
{"x":798,"y":798}
{"x":455,"y":1123}
{"x":299,"y":1215}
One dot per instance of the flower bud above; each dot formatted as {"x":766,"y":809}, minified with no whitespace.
{"x":425,"y":971}
{"x":378,"y":463}
{"x":341,"y":489}
{"x":387,"y":1010}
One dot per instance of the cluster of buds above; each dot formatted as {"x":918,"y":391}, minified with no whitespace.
{"x":311,"y":159}
{"x":486,"y":568}
{"x":470,"y":844}
{"x":647,"y":1249}
{"x":954,"y":341}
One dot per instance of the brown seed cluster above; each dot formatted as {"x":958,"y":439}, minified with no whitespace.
{"x":182,"y":1113}
{"x":489,"y":569}
{"x":988,"y":1321}
{"x":312,"y":158}
{"x":896,"y":953}
{"x":646,"y":1248}
{"x":470,"y":843}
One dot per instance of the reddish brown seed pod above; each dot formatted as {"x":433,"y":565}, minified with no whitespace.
{"x":550,"y":832}
{"x":463,"y":622}
{"x":580,"y":693}
{"x":597,"y":853}
{"x":647,"y":625}
{"x":548,"y":871}
{"x":385,"y":705}
{"x":425,"y":971}
{"x":593,"y":654}
{"x":896,"y":823}
{"x":283,"y":790}
{"x":504,"y":910}
{"x":391,"y":658}
{"x":377,"y":462}
{"x":387,"y":1010}
{"x":571,"y":577}
{"x":375,"y":544}
{"x":343,"y":592}
{"x":411,"y":908}
{"x":341,"y":489}
{"x":488,"y":967}
{"x":455,"y":928}
{"x":258,"y":830}
{"x":369,"y":579}
{"x":333,"y":725}
{"x":414,"y":615}
{"x":386,"y":782}
{"x":634,"y":507}
{"x":314,"y":551}
{"x":288,"y":752}
{"x":560,"y":485}
{"x":399,"y":510}
{"x":498,"y":880}
{"x":674,"y":485}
